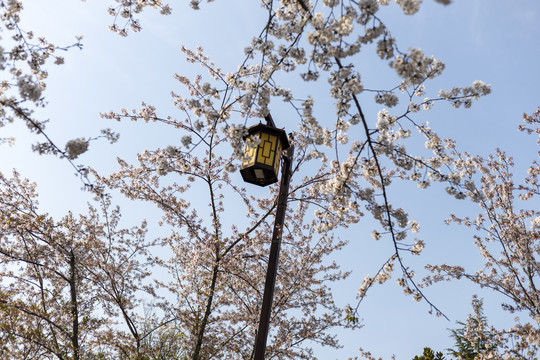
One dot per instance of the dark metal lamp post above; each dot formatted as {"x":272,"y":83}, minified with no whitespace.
{"x":261,"y":169}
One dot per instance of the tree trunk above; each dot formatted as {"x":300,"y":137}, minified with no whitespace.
{"x":196,"y":352}
{"x":74,"y":307}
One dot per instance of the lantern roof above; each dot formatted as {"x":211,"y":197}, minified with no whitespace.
{"x":272,"y":130}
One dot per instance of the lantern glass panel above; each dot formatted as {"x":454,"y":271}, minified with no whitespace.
{"x":259,"y":174}
{"x":267,"y":149}
{"x":251,"y":152}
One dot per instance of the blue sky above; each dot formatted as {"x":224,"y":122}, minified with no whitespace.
{"x":497,"y":41}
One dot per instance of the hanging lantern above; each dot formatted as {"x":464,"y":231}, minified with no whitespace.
{"x":261,"y":166}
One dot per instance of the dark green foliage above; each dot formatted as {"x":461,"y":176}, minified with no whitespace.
{"x":465,"y":349}
{"x":430,"y":355}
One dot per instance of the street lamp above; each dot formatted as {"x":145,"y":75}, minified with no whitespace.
{"x":261,"y":169}
{"x":261,"y":166}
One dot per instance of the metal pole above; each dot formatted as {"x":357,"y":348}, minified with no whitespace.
{"x":262,"y":333}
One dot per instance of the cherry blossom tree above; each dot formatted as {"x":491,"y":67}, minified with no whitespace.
{"x":345,"y":166}
{"x":69,"y":288}
{"x":24,"y":72}
{"x":359,"y":157}
{"x":317,"y":42}
{"x":508,"y":239}
{"x":218,"y":265}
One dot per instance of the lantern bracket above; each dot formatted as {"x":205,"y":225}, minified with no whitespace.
{"x":269,"y":120}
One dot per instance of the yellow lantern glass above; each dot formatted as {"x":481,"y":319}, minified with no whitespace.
{"x":261,"y":166}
